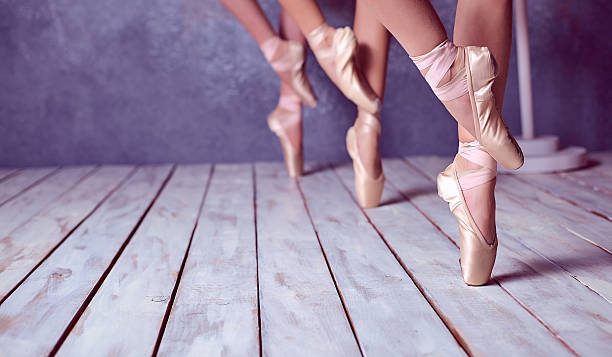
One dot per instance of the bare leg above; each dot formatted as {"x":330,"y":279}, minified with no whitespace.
{"x":334,"y":50}
{"x":289,"y":30}
{"x":373,"y":40}
{"x":485,"y":23}
{"x":479,"y":22}
{"x":306,"y":13}
{"x":252,"y":17}
{"x":286,"y":58}
{"x":414,"y":23}
{"x":372,"y":58}
{"x":417,"y":27}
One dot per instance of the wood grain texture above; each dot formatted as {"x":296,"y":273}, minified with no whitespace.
{"x":23,"y":248}
{"x":598,"y":176}
{"x":564,"y":305}
{"x":15,"y":184}
{"x":525,"y":222}
{"x":20,"y":209}
{"x":582,"y":224}
{"x":215,"y":312}
{"x":595,"y":178}
{"x":301,"y":312}
{"x":486,"y":319}
{"x":55,"y":292}
{"x":390,"y":315}
{"x":136,"y":293}
{"x":572,"y":192}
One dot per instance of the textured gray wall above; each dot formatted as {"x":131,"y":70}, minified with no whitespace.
{"x":147,"y":81}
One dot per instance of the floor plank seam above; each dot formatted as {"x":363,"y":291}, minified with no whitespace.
{"x":162,"y":328}
{"x":497,"y":282}
{"x":254,"y":183}
{"x":67,"y":236}
{"x":587,"y":239}
{"x":533,"y":272}
{"x":106,"y":272}
{"x":574,"y":233}
{"x":460,"y":341}
{"x":58,"y":197}
{"x":533,"y":314}
{"x":583,"y":183}
{"x":591,"y":211}
{"x":10,"y":174}
{"x":331,"y":272}
{"x":30,"y":186}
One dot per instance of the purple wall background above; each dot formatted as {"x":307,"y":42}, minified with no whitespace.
{"x":149,"y":81}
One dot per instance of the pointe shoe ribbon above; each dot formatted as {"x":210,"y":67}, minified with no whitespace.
{"x":288,"y":111}
{"x":477,"y":255}
{"x":439,"y":60}
{"x":476,"y":79}
{"x":346,"y":74}
{"x":291,"y":60}
{"x":369,"y":188}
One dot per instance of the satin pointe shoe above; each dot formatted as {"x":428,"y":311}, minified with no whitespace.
{"x":477,"y":255}
{"x":287,"y":59}
{"x":369,"y":187}
{"x":339,"y":60}
{"x":476,"y":79}
{"x":287,"y":113}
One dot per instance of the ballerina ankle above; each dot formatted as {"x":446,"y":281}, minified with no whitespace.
{"x":484,"y":172}
{"x":438,"y":62}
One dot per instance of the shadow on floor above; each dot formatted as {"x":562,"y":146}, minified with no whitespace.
{"x":543,"y":266}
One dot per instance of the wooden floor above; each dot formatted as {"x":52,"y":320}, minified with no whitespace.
{"x":240,"y":260}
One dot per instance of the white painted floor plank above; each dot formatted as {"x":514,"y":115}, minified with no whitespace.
{"x":22,"y":180}
{"x":301,"y":312}
{"x":525,"y":222}
{"x":593,"y":177}
{"x":552,"y":293}
{"x":20,"y":209}
{"x":390,"y":315}
{"x":34,"y":317}
{"x":136,"y":293}
{"x":579,"y":195}
{"x":583,"y":224}
{"x":215,"y":312}
{"x":23,"y":248}
{"x":5,"y":173}
{"x":565,"y":305}
{"x":488,"y":320}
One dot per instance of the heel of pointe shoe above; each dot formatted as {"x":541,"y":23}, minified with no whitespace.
{"x":292,"y":61}
{"x":491,"y":130}
{"x":294,"y":158}
{"x":357,"y":89}
{"x":482,"y":79}
{"x":369,"y":190}
{"x":477,"y":257}
{"x":348,"y":78}
{"x":300,"y":82}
